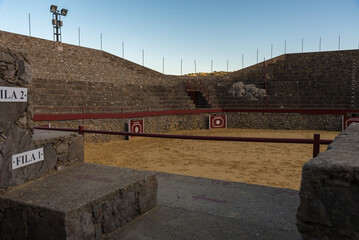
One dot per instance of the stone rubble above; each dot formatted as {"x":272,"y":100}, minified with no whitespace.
{"x":248,"y":92}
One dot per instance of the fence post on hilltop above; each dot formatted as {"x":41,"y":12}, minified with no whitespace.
{"x":265,"y":80}
{"x":316,"y":145}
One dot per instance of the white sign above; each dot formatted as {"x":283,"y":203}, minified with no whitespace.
{"x":11,"y":94}
{"x":27,"y":158}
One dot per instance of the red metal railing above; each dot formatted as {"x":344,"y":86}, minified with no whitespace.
{"x":316,"y":141}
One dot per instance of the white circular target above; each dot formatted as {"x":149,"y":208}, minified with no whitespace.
{"x":218,"y":122}
{"x":136,"y":128}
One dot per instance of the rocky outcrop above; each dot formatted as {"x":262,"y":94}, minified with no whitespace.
{"x":247,"y":91}
{"x":329,"y":192}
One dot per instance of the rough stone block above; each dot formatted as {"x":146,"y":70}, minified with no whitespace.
{"x":76,"y":149}
{"x":86,"y":201}
{"x":18,"y":141}
{"x":6,"y":57}
{"x":13,"y":112}
{"x":25,"y":72}
{"x":329,"y":191}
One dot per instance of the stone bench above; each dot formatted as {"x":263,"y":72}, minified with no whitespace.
{"x":86,"y":201}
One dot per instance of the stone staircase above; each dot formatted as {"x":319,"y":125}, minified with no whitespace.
{"x":199,"y":93}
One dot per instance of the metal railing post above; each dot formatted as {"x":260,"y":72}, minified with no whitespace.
{"x":81,"y":131}
{"x":316,"y":145}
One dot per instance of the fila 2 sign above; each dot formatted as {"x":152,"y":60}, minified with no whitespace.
{"x":12,"y":94}
{"x":217,"y":121}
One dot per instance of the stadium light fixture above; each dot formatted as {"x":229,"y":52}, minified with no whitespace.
{"x":64,"y":12}
{"x":56,"y":21}
{"x":53,"y":8}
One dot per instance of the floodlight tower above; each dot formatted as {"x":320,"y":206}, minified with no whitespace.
{"x":56,"y":21}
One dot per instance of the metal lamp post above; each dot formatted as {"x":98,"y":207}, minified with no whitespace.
{"x":56,"y":21}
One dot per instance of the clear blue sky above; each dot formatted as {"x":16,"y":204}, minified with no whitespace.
{"x":201,"y":30}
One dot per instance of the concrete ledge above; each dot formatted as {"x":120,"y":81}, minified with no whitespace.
{"x":86,"y":201}
{"x":329,"y":191}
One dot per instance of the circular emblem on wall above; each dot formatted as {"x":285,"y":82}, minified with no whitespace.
{"x":218,"y":122}
{"x":136,"y":128}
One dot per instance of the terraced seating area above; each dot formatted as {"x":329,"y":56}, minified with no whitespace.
{"x":294,"y":81}
{"x":58,"y":97}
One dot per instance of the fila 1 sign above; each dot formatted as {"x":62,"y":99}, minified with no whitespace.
{"x":27,"y":158}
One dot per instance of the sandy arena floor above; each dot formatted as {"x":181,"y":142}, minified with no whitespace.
{"x":269,"y":164}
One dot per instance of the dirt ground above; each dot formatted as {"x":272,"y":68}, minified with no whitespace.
{"x":269,"y":164}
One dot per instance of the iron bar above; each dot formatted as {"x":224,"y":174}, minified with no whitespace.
{"x":320,"y":44}
{"x":101,"y":40}
{"x":181,"y":66}
{"x":316,"y":145}
{"x":242,"y":60}
{"x":302,"y":45}
{"x":316,"y":141}
{"x":79,"y":36}
{"x":29,"y":25}
{"x":339,"y":43}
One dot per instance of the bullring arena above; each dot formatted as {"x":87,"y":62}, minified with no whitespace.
{"x":176,"y":188}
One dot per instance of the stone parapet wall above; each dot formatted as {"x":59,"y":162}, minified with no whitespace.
{"x":329,"y":191}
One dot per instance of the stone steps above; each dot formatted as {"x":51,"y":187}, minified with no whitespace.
{"x":87,"y":201}
{"x":79,"y":94}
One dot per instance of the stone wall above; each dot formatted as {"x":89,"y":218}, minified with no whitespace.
{"x":16,"y":128}
{"x":329,"y":191}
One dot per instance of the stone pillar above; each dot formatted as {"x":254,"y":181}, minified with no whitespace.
{"x":16,"y":129}
{"x":329,"y":192}
{"x":15,"y":117}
